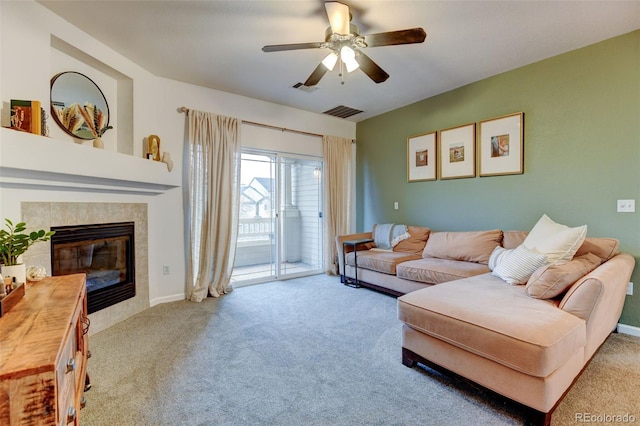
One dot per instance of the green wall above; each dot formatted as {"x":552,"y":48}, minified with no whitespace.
{"x":581,"y":154}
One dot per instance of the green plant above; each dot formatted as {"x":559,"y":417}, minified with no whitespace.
{"x":16,"y":242}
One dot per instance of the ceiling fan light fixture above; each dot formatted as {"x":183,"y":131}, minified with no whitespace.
{"x":348,"y":56}
{"x":330,"y":61}
{"x":344,"y":41}
{"x":338,"y":14}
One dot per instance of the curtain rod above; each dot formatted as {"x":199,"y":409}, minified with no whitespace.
{"x":268,"y":126}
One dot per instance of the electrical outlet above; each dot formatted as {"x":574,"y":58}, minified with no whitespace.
{"x":395,"y":205}
{"x":166,"y":270}
{"x":626,"y":206}
{"x":630,"y":289}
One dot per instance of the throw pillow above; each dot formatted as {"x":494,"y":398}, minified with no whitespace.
{"x":558,"y":242}
{"x":415,"y":243}
{"x":496,"y":256}
{"x":515,"y":266}
{"x":604,"y":248}
{"x":552,"y":280}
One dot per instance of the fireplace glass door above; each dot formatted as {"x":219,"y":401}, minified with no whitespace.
{"x":104,"y":252}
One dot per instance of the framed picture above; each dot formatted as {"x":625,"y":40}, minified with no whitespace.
{"x":502,"y":145}
{"x":421,"y":157}
{"x":153,"y":147}
{"x":456,"y":147}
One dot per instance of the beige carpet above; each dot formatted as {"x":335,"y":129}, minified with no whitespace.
{"x":308,"y":351}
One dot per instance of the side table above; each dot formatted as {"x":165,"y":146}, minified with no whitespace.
{"x":352,"y":243}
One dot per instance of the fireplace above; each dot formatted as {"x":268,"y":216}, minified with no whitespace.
{"x":105,"y":252}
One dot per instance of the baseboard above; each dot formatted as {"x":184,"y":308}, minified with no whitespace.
{"x":629,"y":329}
{"x":166,"y":299}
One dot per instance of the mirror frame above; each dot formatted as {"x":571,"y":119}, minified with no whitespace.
{"x":80,"y":103}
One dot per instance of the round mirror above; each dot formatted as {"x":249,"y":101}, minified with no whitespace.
{"x":78,"y":105}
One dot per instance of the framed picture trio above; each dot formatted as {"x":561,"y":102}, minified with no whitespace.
{"x":491,"y":147}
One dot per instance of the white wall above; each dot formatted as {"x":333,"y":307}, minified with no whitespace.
{"x":25,"y":72}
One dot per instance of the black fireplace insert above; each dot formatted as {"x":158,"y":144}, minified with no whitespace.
{"x":105,"y":252}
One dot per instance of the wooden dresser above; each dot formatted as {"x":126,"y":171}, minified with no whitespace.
{"x":43,"y":354}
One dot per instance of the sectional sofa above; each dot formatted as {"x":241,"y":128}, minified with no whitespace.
{"x":519,"y":313}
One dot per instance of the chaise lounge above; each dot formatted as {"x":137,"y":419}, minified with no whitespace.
{"x":525,"y":335}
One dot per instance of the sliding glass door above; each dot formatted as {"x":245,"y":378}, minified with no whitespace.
{"x":300,"y":216}
{"x":280,"y":231}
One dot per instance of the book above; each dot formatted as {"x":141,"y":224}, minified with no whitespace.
{"x":26,"y":115}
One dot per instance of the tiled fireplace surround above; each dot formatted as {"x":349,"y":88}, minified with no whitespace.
{"x":39,"y":215}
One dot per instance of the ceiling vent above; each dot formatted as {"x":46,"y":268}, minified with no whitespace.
{"x":342,"y":111}
{"x":304,"y":88}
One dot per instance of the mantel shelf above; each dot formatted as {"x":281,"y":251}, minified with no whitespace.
{"x":38,"y":162}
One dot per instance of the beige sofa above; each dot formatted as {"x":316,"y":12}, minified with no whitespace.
{"x":476,"y":325}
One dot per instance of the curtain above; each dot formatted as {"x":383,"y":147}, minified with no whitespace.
{"x":336,"y":152}
{"x":213,"y":182}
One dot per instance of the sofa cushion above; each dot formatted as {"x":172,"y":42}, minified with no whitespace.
{"x":552,"y":280}
{"x":512,"y":239}
{"x":604,"y":248}
{"x":482,"y":315}
{"x":418,"y":236}
{"x":380,"y":261}
{"x":434,"y":271}
{"x":472,"y":246}
{"x":558,"y":242}
{"x":515,"y":266}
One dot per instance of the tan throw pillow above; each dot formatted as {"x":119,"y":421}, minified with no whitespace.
{"x":558,"y":242}
{"x":551,"y":280}
{"x":415,"y":243}
{"x":604,"y":248}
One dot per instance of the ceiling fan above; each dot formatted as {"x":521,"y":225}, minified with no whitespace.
{"x":346,"y":43}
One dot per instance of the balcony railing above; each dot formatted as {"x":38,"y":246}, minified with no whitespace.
{"x":255,"y":252}
{"x":258,"y":228}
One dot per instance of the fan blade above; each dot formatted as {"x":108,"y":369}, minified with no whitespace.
{"x":371,"y":69}
{"x":413,"y":35}
{"x":338,"y":14}
{"x":316,"y":75}
{"x":294,"y":46}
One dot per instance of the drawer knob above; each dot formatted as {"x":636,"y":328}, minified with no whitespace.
{"x":71,"y":365}
{"x":83,"y":401}
{"x":71,"y":414}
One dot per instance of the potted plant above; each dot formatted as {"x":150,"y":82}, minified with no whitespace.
{"x":14,"y":242}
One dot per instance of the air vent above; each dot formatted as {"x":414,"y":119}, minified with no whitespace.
{"x":304,"y":88}
{"x":342,"y":111}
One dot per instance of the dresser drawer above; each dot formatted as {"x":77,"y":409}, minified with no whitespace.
{"x":66,"y":371}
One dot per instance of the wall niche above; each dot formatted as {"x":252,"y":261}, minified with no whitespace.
{"x":117,"y":89}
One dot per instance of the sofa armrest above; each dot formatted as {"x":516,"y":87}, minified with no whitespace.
{"x":598,"y":298}
{"x":341,"y":238}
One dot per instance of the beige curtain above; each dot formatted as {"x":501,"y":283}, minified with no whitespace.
{"x":337,"y":195}
{"x":212,"y":205}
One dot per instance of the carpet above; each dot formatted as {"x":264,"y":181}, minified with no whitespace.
{"x":307,"y":351}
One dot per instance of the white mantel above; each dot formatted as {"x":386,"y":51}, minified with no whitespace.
{"x":28,"y":160}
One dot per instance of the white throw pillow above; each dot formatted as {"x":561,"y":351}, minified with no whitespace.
{"x":515,"y":266}
{"x":558,"y":242}
{"x":496,"y":256}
